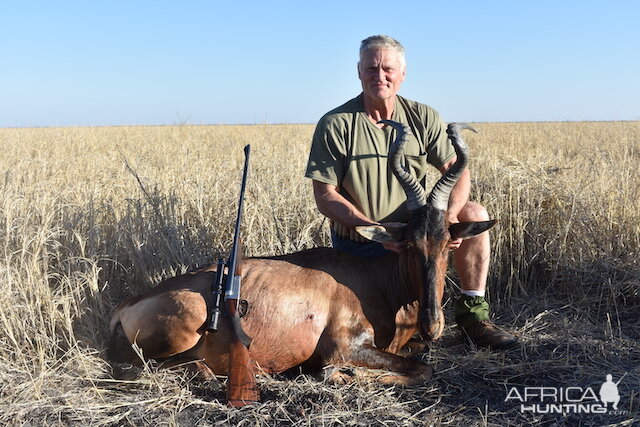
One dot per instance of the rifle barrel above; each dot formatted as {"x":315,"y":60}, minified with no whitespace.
{"x":233,"y":257}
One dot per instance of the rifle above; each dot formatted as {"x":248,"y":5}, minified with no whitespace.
{"x":618,"y":382}
{"x":241,"y":384}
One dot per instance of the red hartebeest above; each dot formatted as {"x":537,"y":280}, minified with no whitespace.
{"x":317,"y":307}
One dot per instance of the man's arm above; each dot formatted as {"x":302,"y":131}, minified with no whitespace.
{"x":458,"y":198}
{"x":332,"y":204}
{"x":460,"y":193}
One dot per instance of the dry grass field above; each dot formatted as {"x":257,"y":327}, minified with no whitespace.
{"x":90,"y":216}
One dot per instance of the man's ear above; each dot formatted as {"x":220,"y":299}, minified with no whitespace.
{"x":464,"y":230}
{"x":392,"y":232}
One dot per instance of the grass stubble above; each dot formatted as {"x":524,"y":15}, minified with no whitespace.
{"x":90,"y":216}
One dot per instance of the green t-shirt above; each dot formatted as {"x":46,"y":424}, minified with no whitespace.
{"x":350,"y":152}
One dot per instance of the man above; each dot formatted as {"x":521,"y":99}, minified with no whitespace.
{"x":353,"y":185}
{"x":609,"y":392}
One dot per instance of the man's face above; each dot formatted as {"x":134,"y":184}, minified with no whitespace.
{"x":381,"y":73}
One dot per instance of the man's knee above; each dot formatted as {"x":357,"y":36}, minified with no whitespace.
{"x":473,"y":211}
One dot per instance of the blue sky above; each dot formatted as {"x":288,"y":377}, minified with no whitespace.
{"x":85,"y":63}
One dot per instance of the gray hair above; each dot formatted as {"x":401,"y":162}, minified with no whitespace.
{"x":382,"y":41}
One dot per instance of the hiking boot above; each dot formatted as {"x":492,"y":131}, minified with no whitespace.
{"x":486,"y":334}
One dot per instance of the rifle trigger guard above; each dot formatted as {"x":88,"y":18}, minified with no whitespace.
{"x":243,"y":308}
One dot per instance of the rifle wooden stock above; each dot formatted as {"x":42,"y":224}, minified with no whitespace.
{"x":241,"y":386}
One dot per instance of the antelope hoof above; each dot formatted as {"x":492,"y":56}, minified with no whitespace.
{"x":341,"y":378}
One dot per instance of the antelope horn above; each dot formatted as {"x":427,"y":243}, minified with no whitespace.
{"x":416,"y":196}
{"x":439,"y":197}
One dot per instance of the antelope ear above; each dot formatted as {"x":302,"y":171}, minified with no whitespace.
{"x":465,"y":230}
{"x":391,"y":232}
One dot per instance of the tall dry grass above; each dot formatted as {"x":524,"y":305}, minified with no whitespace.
{"x":90,"y":216}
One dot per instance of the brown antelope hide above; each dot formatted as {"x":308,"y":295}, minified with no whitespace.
{"x":319,"y":307}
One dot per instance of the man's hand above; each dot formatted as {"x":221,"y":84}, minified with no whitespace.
{"x":396,"y":247}
{"x":454,"y":244}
